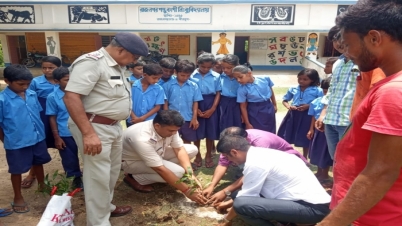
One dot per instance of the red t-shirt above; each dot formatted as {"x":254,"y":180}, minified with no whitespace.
{"x":380,"y":112}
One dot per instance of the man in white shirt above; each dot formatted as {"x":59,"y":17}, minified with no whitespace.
{"x":276,"y":186}
{"x":153,"y":152}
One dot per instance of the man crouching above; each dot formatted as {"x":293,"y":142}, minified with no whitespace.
{"x":153,"y":152}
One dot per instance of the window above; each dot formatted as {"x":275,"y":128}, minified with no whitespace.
{"x":106,"y":40}
{"x":329,"y":50}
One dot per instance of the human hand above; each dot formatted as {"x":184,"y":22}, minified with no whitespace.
{"x":310,"y":134}
{"x":207,"y":192}
{"x":319,"y":125}
{"x":208,"y":113}
{"x":137,"y":120}
{"x":249,"y":126}
{"x":293,"y":108}
{"x":196,"y":196}
{"x":200,"y":113}
{"x":59,"y":143}
{"x":92,"y":144}
{"x":217,"y":198}
{"x":303,"y":107}
{"x":276,"y":108}
{"x":194,"y":124}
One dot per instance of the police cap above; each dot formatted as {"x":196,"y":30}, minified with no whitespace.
{"x":132,"y":43}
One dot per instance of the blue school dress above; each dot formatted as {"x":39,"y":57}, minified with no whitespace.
{"x":209,"y":85}
{"x":261,"y":111}
{"x":229,"y":109}
{"x":318,"y":151}
{"x":296,"y":124}
{"x":43,"y":88}
{"x":181,"y":98}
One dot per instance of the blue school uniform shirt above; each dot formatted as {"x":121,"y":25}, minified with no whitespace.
{"x":303,"y":97}
{"x":55,"y":106}
{"x":144,"y":101}
{"x":316,"y":107}
{"x":42,"y":86}
{"x":20,"y":119}
{"x":258,"y":91}
{"x":229,"y":86}
{"x":181,"y":98}
{"x":208,"y":84}
{"x":161,"y":81}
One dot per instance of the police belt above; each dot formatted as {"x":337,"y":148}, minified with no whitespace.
{"x":101,"y":120}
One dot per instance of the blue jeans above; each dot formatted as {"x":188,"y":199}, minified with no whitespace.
{"x":258,"y":211}
{"x":334,"y":135}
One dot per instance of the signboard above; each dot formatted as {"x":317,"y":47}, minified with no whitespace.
{"x":258,"y":44}
{"x":272,"y":14}
{"x":184,"y":14}
{"x":88,"y":14}
{"x":179,"y":44}
{"x":341,"y":9}
{"x":17,"y":14}
{"x":285,"y":50}
{"x":156,"y":43}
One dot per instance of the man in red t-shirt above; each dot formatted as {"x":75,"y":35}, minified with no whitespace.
{"x":368,"y":161}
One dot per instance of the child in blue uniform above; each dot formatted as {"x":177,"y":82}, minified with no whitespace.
{"x":58,"y":117}
{"x":229,"y":109}
{"x":183,"y":95}
{"x":318,"y":151}
{"x":209,"y":83}
{"x":44,"y":85}
{"x":296,"y":123}
{"x":167,"y":64}
{"x":147,"y":95}
{"x":257,"y":100}
{"x":136,"y":70}
{"x":22,"y":131}
{"x":218,"y":65}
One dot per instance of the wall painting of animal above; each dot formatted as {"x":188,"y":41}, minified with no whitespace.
{"x":272,"y":14}
{"x":17,"y":14}
{"x":88,"y":14}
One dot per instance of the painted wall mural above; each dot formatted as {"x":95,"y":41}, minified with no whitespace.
{"x":223,"y":41}
{"x":312,"y":45}
{"x":88,"y":14}
{"x":272,"y":14}
{"x":17,"y":14}
{"x":157,"y":43}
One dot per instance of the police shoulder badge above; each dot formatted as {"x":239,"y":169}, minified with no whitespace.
{"x":95,"y":55}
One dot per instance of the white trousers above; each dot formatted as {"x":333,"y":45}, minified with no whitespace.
{"x":100,"y":172}
{"x":146,"y":175}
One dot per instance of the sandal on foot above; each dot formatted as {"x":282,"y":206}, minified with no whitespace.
{"x":197,"y":164}
{"x":194,"y":166}
{"x":5,"y":212}
{"x":25,"y":205}
{"x":27,"y":183}
{"x":209,"y":164}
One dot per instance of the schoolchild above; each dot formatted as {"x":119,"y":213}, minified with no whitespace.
{"x":136,"y":70}
{"x":208,"y":82}
{"x":44,"y":85}
{"x":318,"y":151}
{"x":147,"y":95}
{"x":296,"y":123}
{"x":22,"y":131}
{"x":183,"y":95}
{"x":58,"y":117}
{"x":167,"y":64}
{"x":257,"y":100}
{"x":229,"y":109}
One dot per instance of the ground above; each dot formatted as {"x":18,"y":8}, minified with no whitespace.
{"x":163,"y":207}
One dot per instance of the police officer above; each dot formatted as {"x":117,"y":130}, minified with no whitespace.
{"x":98,"y":97}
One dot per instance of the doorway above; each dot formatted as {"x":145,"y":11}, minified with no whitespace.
{"x":17,"y":48}
{"x":204,"y":44}
{"x":241,"y":48}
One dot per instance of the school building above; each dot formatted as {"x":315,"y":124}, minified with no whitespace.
{"x":271,"y":35}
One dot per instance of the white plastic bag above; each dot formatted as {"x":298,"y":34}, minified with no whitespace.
{"x":58,"y":212}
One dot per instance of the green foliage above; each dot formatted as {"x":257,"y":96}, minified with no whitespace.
{"x":1,"y":56}
{"x":188,"y":178}
{"x":58,"y":180}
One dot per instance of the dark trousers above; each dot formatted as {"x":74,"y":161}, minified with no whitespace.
{"x":258,"y":211}
{"x":69,"y":158}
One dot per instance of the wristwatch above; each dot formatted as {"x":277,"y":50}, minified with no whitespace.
{"x":228,"y":193}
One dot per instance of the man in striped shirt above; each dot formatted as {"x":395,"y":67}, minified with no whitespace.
{"x":339,"y":99}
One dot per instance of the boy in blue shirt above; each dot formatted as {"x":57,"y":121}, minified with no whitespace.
{"x":136,"y":70}
{"x":183,"y":96}
{"x":147,"y":95}
{"x":58,"y":117}
{"x":22,"y":131}
{"x":168,"y":64}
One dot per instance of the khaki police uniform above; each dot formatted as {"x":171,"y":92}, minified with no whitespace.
{"x":143,"y":148}
{"x":104,"y":92}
